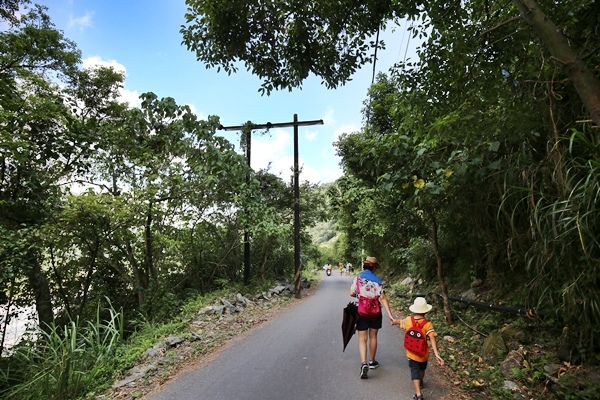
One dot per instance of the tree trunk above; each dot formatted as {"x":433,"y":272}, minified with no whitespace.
{"x":584,"y":81}
{"x":265,"y":259}
{"x":60,"y":287}
{"x":148,"y":239}
{"x":7,"y":301}
{"x":41,"y":291}
{"x":138,"y":276}
{"x":440,"y":271}
{"x":87,"y":283}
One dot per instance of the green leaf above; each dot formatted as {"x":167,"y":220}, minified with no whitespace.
{"x":494,"y":146}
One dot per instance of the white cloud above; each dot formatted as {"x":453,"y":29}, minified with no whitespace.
{"x":349,"y":128}
{"x":328,"y":118}
{"x":284,"y":168}
{"x":274,"y":147}
{"x":328,"y":168}
{"x":192,"y":108}
{"x":331,"y":174}
{"x":96,"y":61}
{"x":81,"y":22}
{"x":324,"y":174}
{"x":310,"y":136}
{"x":132,"y":97}
{"x":201,"y":116}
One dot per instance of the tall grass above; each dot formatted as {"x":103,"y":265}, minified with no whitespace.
{"x":66,"y":361}
{"x":561,"y":236}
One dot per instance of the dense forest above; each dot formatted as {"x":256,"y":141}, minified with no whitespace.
{"x":479,"y":161}
{"x":105,"y":207}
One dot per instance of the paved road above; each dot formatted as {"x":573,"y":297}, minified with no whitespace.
{"x":298,"y":356}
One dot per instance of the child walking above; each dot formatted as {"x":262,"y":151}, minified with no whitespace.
{"x":418,"y":363}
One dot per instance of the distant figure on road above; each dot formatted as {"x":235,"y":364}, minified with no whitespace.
{"x":349,"y":268}
{"x":416,"y":362}
{"x":368,"y":285}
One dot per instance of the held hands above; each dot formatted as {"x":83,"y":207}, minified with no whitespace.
{"x":395,"y":321}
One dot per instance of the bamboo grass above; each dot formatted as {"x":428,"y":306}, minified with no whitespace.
{"x":64,"y":361}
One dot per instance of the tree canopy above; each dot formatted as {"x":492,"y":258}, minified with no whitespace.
{"x":483,"y":149}
{"x":283,"y":42}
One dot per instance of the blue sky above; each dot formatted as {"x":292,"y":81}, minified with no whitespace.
{"x":142,"y":38}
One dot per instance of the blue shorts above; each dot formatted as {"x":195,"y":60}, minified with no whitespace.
{"x":364,"y":323}
{"x":415,"y":369}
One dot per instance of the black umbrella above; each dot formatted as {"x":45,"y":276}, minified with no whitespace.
{"x":349,"y":323}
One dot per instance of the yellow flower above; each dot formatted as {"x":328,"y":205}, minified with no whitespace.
{"x":419,"y":183}
{"x":448,"y":173}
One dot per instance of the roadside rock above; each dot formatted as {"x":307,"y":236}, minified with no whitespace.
{"x":514,"y":359}
{"x":136,"y":373}
{"x":173,"y":341}
{"x":476,"y":283}
{"x":209,"y":330}
{"x":469,"y":294}
{"x":493,"y":347}
{"x":407,"y":281}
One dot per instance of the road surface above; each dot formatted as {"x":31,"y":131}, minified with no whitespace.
{"x":298,"y":356}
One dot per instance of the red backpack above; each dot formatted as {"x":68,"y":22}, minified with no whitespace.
{"x":367,"y":308}
{"x":415,"y":340}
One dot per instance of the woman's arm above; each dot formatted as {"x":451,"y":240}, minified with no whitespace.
{"x":386,"y":304}
{"x":353,"y":287}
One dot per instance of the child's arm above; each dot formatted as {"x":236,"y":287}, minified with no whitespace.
{"x":399,"y":322}
{"x":439,"y":359}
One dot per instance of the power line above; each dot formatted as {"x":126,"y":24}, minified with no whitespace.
{"x":375,"y":55}
{"x":401,"y":42}
{"x":407,"y":43}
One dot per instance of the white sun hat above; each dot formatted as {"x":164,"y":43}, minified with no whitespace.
{"x":420,"y":306}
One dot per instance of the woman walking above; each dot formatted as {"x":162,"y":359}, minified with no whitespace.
{"x":369,"y":286}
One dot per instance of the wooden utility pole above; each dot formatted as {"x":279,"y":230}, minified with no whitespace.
{"x":247,"y":130}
